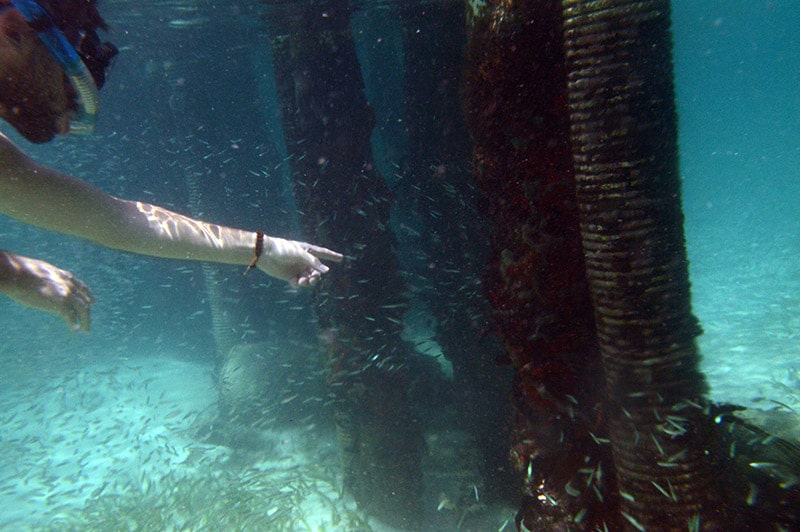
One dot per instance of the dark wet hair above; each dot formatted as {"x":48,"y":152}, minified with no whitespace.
{"x":79,"y":20}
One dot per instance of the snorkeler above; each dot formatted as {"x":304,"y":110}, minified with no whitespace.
{"x":51,"y":65}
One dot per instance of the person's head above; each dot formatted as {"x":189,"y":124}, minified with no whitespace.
{"x":36,"y":97}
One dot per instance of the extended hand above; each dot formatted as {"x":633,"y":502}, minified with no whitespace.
{"x":41,"y":285}
{"x":297,"y":263}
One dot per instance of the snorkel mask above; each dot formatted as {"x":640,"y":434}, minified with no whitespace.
{"x":79,"y":76}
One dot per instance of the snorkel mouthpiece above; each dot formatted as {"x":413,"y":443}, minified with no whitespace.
{"x":81,"y":80}
{"x":58,"y":45}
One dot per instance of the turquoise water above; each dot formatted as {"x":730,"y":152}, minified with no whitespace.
{"x":736,"y":78}
{"x":108,"y":422}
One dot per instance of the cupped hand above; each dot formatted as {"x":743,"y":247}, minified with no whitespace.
{"x":65,"y":295}
{"x":74,"y":307}
{"x":297,"y":263}
{"x":41,"y":285}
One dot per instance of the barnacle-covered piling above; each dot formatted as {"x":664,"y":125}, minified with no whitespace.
{"x":624,"y":147}
{"x":516,"y":104}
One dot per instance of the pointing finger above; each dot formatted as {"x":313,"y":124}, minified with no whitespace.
{"x":325,"y":253}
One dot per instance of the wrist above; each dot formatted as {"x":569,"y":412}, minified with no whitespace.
{"x":258,"y":250}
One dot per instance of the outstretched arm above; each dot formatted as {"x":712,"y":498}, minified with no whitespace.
{"x":40,"y":285}
{"x":46,"y":198}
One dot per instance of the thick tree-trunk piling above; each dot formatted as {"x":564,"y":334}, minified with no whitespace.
{"x":343,"y":203}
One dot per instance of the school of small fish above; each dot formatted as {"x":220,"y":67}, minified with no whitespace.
{"x":112,"y":443}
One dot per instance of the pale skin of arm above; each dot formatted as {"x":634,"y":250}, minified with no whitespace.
{"x":43,"y":197}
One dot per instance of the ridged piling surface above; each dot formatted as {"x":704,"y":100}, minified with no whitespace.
{"x":624,"y":145}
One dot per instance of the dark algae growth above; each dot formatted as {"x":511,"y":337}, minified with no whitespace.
{"x":573,"y":113}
